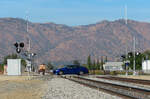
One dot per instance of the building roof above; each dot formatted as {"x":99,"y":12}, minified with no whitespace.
{"x":113,"y":64}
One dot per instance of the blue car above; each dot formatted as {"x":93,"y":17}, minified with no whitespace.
{"x":72,"y":69}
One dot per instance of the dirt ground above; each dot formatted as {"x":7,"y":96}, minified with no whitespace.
{"x":145,"y":77}
{"x":21,"y":87}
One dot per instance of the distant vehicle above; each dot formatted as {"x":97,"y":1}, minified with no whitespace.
{"x":71,"y":69}
{"x":42,"y":68}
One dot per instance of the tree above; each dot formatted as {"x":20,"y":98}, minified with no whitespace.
{"x":138,"y":60}
{"x":50,"y":66}
{"x":93,"y":66}
{"x":76,"y":62}
{"x":105,"y":58}
{"x":14,"y":56}
{"x":23,"y":62}
{"x":89,"y":62}
{"x":11,"y":56}
{"x":1,"y":67}
{"x":98,"y":65}
{"x":102,"y":62}
{"x":146,"y":55}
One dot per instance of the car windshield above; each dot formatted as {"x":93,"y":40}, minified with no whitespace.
{"x":71,"y":66}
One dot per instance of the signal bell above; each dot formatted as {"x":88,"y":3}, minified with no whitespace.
{"x":18,"y":50}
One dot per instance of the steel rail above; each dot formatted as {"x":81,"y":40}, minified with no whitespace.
{"x":137,"y":81}
{"x":124,"y":91}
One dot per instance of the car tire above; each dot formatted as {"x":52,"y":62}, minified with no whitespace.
{"x":81,"y":73}
{"x":61,"y":73}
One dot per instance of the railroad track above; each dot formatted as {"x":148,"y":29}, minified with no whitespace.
{"x":121,"y":90}
{"x":137,"y":81}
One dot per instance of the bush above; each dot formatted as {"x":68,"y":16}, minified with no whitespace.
{"x":106,"y":72}
{"x":120,"y":72}
{"x":117,"y":73}
{"x":90,"y":72}
{"x":97,"y":72}
{"x":130,"y":73}
{"x":113,"y":73}
{"x":102,"y":72}
{"x":1,"y":67}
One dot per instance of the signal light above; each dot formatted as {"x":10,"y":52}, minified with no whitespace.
{"x":33,"y":54}
{"x":130,"y":54}
{"x":21,"y":44}
{"x":138,"y":53}
{"x":16,"y":44}
{"x":123,"y":56}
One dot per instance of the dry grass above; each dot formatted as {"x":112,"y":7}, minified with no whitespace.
{"x":21,"y":87}
{"x":145,"y":77}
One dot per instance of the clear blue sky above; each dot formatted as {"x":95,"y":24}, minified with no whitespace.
{"x":75,"y":12}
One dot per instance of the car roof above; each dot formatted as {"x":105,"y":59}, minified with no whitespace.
{"x":72,"y":65}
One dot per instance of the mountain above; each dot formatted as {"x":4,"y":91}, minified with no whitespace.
{"x":61,"y":43}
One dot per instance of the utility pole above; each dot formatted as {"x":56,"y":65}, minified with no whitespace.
{"x":126,"y":56}
{"x":29,"y":45}
{"x":134,"y":72}
{"x":126,"y":18}
{"x":27,"y":29}
{"x":102,"y":60}
{"x":126,"y":22}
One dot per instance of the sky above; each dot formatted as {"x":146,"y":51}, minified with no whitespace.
{"x":75,"y":12}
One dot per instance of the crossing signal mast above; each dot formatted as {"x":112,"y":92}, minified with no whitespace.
{"x":29,"y":46}
{"x":19,"y":48}
{"x":30,"y":55}
{"x":27,"y":30}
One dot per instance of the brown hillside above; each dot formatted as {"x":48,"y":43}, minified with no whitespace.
{"x":59,"y":43}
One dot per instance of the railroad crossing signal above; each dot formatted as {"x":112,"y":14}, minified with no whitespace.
{"x":19,"y":46}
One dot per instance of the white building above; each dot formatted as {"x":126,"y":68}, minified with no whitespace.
{"x":13,"y":66}
{"x":113,"y":66}
{"x":146,"y":66}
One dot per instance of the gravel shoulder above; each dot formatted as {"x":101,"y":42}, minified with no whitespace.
{"x":59,"y":88}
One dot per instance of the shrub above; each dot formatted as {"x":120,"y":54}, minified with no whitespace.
{"x":1,"y":67}
{"x":113,"y":73}
{"x":99,"y":72}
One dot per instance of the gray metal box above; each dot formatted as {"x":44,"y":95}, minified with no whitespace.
{"x":14,"y":67}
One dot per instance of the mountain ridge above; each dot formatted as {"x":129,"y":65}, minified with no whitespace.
{"x":58,"y":42}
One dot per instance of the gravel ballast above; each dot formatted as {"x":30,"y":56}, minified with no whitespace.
{"x":59,"y":88}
